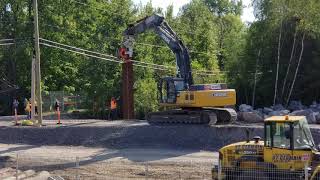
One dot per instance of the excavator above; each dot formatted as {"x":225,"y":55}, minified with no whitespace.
{"x":187,"y":102}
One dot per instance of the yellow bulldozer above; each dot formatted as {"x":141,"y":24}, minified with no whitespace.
{"x":288,"y":151}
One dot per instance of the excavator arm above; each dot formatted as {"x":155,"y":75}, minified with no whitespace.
{"x":165,"y":32}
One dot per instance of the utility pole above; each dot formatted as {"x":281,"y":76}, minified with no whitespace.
{"x":127,"y":80}
{"x":33,"y":85}
{"x":37,"y":62}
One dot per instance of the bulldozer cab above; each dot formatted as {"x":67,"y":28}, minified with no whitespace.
{"x":288,"y":141}
{"x":169,"y":89}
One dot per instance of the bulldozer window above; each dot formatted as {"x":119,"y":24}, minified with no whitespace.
{"x":267,"y":129}
{"x":281,"y":136}
{"x":278,"y":135}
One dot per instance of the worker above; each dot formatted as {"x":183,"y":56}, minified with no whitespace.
{"x":28,"y":109}
{"x":25,"y":103}
{"x":56,"y":105}
{"x":113,"y":108}
{"x":15,"y":105}
{"x":35,"y":107}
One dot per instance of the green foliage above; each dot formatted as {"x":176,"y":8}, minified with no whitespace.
{"x":223,"y":7}
{"x":145,"y":96}
{"x":263,"y":34}
{"x":219,"y":42}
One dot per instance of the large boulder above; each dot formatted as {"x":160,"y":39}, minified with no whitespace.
{"x":267,"y":110}
{"x":278,"y":107}
{"x":259,"y":111}
{"x":245,"y":108}
{"x":315,"y":107}
{"x":295,"y":106}
{"x":279,"y":113}
{"x":318,"y":118}
{"x":250,"y":117}
{"x":310,"y":115}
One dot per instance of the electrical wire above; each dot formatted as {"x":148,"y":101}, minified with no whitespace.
{"x":165,"y":47}
{"x":85,"y":54}
{"x":4,"y":40}
{"x":76,"y":48}
{"x":81,"y":53}
{"x":144,"y":44}
{"x":106,"y":55}
{"x":136,"y":63}
{"x":7,"y":44}
{"x":159,"y":65}
{"x":162,"y":69}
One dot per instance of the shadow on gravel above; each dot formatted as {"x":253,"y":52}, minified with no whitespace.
{"x":6,"y":161}
{"x":52,"y":166}
{"x":79,"y":123}
{"x":18,"y":148}
{"x":101,"y":157}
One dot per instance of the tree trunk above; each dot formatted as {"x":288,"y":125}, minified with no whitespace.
{"x":278,"y":61}
{"x":297,"y":69}
{"x":255,"y":79}
{"x":289,"y":65}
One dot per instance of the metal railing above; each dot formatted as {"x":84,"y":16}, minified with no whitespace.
{"x":260,"y":171}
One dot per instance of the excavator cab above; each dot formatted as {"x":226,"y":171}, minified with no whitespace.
{"x":169,"y":88}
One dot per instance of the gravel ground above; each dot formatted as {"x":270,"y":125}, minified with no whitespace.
{"x":119,"y":149}
{"x":100,"y":163}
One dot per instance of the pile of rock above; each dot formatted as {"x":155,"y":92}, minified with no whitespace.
{"x":248,"y":114}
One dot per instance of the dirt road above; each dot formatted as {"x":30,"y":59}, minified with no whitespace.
{"x":102,"y":163}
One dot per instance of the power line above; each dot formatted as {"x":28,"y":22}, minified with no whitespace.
{"x":165,"y":47}
{"x":162,"y":69}
{"x":3,"y":40}
{"x":6,"y":44}
{"x":115,"y":59}
{"x":164,"y":66}
{"x":76,"y":48}
{"x":85,"y":54}
{"x":81,"y":53}
{"x":100,"y":54}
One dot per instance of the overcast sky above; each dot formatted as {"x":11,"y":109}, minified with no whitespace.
{"x":247,"y":15}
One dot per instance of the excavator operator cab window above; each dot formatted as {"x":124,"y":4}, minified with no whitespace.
{"x":167,"y":91}
{"x":171,"y":92}
{"x":279,"y":135}
{"x":179,"y":85}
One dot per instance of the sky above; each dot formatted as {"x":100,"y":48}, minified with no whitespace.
{"x":247,"y":15}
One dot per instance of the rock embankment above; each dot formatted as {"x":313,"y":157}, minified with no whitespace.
{"x":295,"y":108}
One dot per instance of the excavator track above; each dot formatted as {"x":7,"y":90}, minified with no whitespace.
{"x":203,"y":116}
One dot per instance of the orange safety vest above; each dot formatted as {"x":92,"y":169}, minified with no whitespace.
{"x":113,"y":104}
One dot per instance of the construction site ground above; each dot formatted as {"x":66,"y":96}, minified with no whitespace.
{"x":100,"y":149}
